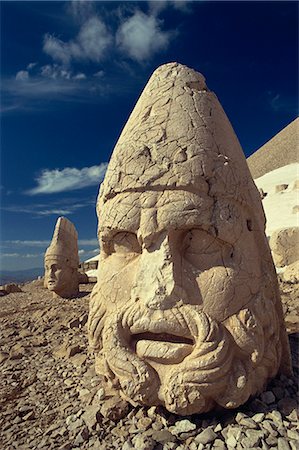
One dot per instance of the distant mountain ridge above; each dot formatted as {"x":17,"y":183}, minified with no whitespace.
{"x":281,"y":150}
{"x":20,"y":276}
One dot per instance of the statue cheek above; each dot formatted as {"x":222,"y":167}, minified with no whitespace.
{"x":217,"y":288}
{"x":116,"y":276}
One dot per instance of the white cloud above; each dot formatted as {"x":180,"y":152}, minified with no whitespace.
{"x":59,"y":207}
{"x":140,"y":36}
{"x":156,"y":6}
{"x":99,"y":74}
{"x":281,"y":103}
{"x":45,"y":243}
{"x":94,"y":39}
{"x":31,"y":65}
{"x":20,"y":255}
{"x":88,"y":242}
{"x":79,"y":76}
{"x":56,"y":212}
{"x":275,"y":102}
{"x":43,"y":211}
{"x":22,"y":75}
{"x":81,"y":252}
{"x":68,"y":179}
{"x":42,"y":87}
{"x":57,"y":49}
{"x":81,"y":10}
{"x":25,"y":243}
{"x":55,"y":71}
{"x":90,"y":44}
{"x":182,"y":5}
{"x":53,"y":83}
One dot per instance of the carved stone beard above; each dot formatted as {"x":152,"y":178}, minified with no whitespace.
{"x":228,"y":362}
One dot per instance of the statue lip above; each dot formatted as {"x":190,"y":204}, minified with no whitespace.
{"x":161,"y":341}
{"x":163,"y":348}
{"x":163,"y":327}
{"x":162,"y":337}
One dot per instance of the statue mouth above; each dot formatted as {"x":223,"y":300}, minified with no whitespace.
{"x":164,"y":338}
{"x":163,"y":348}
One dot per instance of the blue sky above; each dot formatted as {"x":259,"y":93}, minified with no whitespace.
{"x":71,"y":73}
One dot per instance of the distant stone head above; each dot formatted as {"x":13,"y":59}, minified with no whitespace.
{"x":62,"y":261}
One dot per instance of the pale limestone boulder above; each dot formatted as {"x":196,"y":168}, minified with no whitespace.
{"x":10,"y":288}
{"x":284,"y":244}
{"x":186,"y":312}
{"x":62,"y":260}
{"x":291,"y":273}
{"x":295,"y":185}
{"x":281,"y":187}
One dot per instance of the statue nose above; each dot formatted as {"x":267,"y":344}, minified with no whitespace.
{"x":157,"y":284}
{"x":163,"y":298}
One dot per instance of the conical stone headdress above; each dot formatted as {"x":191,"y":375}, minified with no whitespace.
{"x":179,"y":137}
{"x":64,"y":243}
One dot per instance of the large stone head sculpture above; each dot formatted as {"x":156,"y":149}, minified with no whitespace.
{"x":186,"y":311}
{"x":62,"y":261}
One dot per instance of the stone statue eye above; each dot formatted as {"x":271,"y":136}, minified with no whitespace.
{"x":202,"y":249}
{"x":125,"y":242}
{"x":199,"y":241}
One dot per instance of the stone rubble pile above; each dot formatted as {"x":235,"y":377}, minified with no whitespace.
{"x":289,"y":297}
{"x":51,"y":397}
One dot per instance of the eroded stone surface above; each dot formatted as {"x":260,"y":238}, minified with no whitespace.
{"x":186,"y":312}
{"x":284,"y":244}
{"x":291,"y":274}
{"x":62,"y":261}
{"x":44,"y":398}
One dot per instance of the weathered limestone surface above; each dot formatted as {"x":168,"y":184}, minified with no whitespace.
{"x":186,"y":311}
{"x":62,"y":261}
{"x":291,"y":274}
{"x":284,"y":244}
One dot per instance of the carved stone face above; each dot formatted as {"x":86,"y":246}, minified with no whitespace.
{"x":171,"y":298}
{"x":186,"y":311}
{"x":60,"y":277}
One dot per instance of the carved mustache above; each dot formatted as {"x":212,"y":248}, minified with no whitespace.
{"x":179,"y":321}
{"x":135,"y":319}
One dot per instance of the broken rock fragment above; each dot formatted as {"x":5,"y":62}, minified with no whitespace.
{"x":186,"y":312}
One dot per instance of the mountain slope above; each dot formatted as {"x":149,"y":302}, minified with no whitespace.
{"x":281,"y":150}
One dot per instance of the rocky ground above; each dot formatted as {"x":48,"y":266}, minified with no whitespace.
{"x":51,"y":398}
{"x":290,"y":303}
